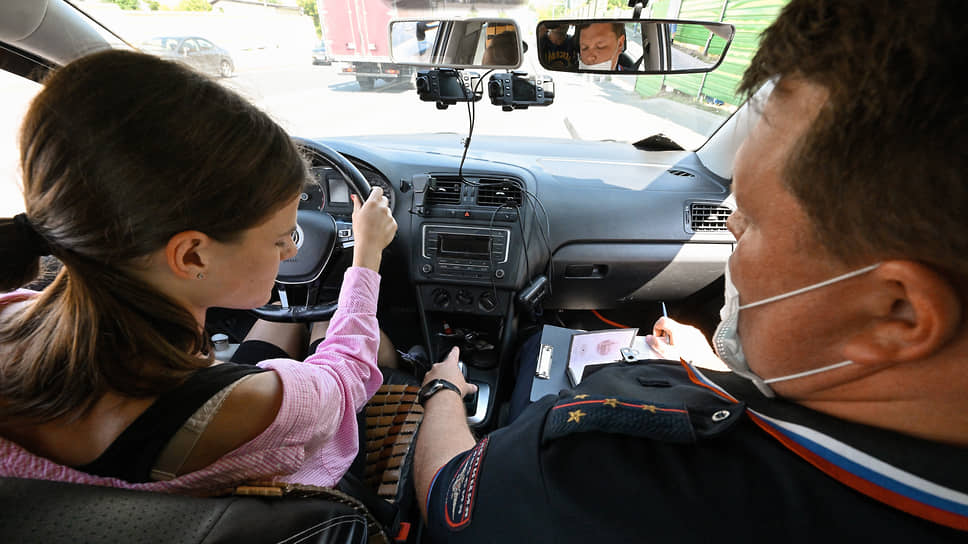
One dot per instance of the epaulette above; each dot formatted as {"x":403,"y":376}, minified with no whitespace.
{"x":662,"y":422}
{"x":589,"y":413}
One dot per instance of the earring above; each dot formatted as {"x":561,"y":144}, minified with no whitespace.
{"x":200,"y":276}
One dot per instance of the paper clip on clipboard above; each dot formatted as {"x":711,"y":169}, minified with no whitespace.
{"x":629,"y":355}
{"x":543,"y":370}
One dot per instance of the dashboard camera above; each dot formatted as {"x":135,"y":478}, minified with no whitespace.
{"x":447,"y":86}
{"x":518,"y":90}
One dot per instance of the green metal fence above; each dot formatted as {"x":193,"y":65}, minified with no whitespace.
{"x":750,"y":17}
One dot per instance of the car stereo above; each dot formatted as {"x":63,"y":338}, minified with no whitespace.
{"x":464,"y":252}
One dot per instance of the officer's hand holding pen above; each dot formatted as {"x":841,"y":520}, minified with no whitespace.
{"x":676,"y":340}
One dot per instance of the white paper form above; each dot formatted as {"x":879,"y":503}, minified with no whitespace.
{"x":597,"y":347}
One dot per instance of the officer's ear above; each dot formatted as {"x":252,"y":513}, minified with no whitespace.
{"x":912,"y":311}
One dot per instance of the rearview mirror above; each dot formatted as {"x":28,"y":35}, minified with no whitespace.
{"x":468,"y":43}
{"x":642,"y":46}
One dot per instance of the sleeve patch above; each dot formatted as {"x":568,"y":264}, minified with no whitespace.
{"x":462,"y":490}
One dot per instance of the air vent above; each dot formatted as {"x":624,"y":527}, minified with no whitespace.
{"x":444,"y":191}
{"x":708,"y":217}
{"x":499,"y":192}
{"x":682,"y":173}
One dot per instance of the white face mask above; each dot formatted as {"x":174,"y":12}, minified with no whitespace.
{"x":607,"y":65}
{"x":726,"y":339}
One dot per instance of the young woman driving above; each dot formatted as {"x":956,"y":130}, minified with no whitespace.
{"x":164,"y":194}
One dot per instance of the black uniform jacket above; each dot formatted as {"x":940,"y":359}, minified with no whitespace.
{"x":661,"y":452}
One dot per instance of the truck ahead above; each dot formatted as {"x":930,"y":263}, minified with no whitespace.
{"x":356,"y":32}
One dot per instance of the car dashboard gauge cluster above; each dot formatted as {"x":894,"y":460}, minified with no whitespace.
{"x":329,"y":192}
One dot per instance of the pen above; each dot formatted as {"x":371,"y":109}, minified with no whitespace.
{"x":665,"y":313}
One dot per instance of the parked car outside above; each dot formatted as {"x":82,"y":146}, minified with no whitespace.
{"x":321,"y":55}
{"x":193,"y":51}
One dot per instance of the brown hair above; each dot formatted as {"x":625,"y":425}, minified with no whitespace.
{"x":617,"y":28}
{"x":880,"y":172}
{"x":119,"y":152}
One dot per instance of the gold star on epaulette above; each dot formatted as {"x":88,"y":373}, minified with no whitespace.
{"x":575,"y":416}
{"x":581,"y":396}
{"x":611,"y":402}
{"x":649,"y":407}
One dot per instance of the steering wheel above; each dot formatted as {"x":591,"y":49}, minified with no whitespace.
{"x":318,"y":237}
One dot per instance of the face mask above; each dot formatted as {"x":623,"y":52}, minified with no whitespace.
{"x":607,"y":65}
{"x":726,"y":340}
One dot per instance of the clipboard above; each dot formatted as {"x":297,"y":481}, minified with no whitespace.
{"x":554,"y":349}
{"x":552,"y":359}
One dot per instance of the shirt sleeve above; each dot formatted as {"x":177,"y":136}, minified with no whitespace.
{"x":493,"y":492}
{"x":17,"y":295}
{"x":322,"y":394}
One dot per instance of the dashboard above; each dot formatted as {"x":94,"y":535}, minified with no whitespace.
{"x":524,"y":225}
{"x":329,"y":192}
{"x":607,"y":224}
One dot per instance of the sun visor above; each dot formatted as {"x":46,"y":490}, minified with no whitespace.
{"x":53,"y":30}
{"x":19,"y":19}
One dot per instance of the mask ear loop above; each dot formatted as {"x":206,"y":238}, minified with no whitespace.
{"x":802,"y":290}
{"x":809,"y":372}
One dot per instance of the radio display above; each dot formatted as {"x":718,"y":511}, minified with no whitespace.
{"x":467,"y":245}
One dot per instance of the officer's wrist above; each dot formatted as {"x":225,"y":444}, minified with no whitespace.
{"x":445,"y":399}
{"x":434,"y":386}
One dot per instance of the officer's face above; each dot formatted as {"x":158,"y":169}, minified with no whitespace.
{"x":776,"y":252}
{"x":599,"y":43}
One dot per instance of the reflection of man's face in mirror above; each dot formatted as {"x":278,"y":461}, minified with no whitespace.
{"x":601,"y":42}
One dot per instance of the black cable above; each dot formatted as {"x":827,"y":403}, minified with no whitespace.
{"x":560,"y":320}
{"x":524,"y":236}
{"x":490,"y":253}
{"x":545,"y":235}
{"x":524,"y":242}
{"x":472,"y":116}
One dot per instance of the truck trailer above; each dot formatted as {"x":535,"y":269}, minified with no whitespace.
{"x":357,"y":36}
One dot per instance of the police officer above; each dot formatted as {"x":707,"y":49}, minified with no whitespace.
{"x":845,"y":413}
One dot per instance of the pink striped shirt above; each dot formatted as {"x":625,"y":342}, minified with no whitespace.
{"x":314,"y":437}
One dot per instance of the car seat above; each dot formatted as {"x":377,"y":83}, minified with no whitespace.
{"x":52,"y":512}
{"x":376,"y":506}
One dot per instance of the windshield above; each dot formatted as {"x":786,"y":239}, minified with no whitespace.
{"x":270,"y":52}
{"x":17,"y":93}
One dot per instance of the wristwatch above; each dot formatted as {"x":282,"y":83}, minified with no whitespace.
{"x":433,"y":387}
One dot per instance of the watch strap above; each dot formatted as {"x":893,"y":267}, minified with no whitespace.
{"x":435,"y":386}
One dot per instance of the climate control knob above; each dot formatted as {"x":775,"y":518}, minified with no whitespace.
{"x":486,"y":302}
{"x":440,"y":298}
{"x":464,"y":298}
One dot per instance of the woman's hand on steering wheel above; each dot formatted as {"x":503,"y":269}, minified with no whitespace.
{"x":373,"y":229}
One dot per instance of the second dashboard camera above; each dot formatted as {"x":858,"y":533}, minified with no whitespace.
{"x":518,"y":90}
{"x":447,"y":86}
